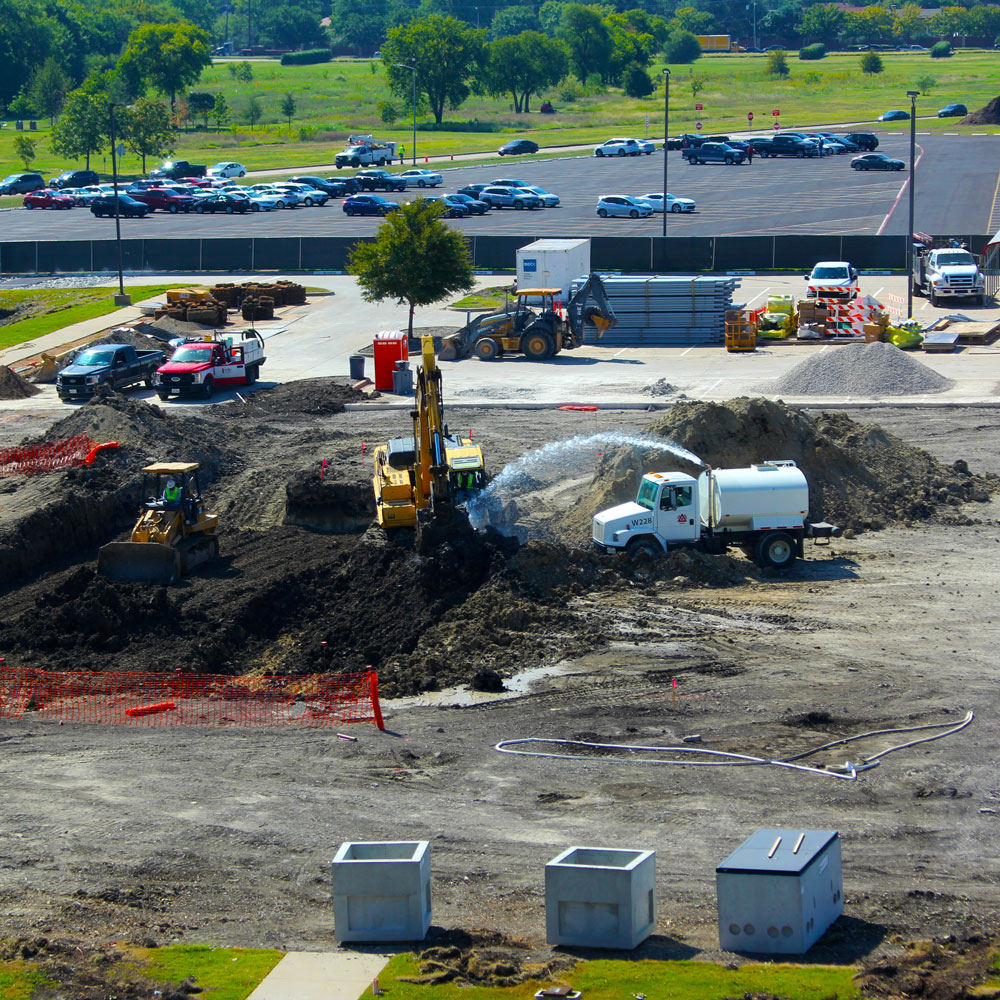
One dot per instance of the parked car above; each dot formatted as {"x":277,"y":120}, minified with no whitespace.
{"x":847,"y":145}
{"x":646,"y":146}
{"x":624,"y":205}
{"x":222,"y":201}
{"x":690,"y":138}
{"x":518,"y":147}
{"x":75,"y":179}
{"x":260,"y":202}
{"x":787,"y":144}
{"x":835,"y":279}
{"x":504,"y":196}
{"x":714,"y":152}
{"x":953,"y":111}
{"x":178,"y":169}
{"x":114,"y":365}
{"x":368,"y":204}
{"x":864,"y":140}
{"x":308,"y":196}
{"x":81,"y":196}
{"x":421,"y":178}
{"x":549,"y":200}
{"x":894,"y":116}
{"x":672,"y":203}
{"x":473,"y":190}
{"x":226,"y":170}
{"x":21,"y":183}
{"x":47,"y":198}
{"x":876,"y":161}
{"x":128,"y":207}
{"x":141,"y":185}
{"x":618,"y":147}
{"x":283,"y":198}
{"x":336,"y":187}
{"x":474,"y":205}
{"x":165,"y":199}
{"x":450,"y":209}
{"x":377,"y":179}
{"x":759,"y":144}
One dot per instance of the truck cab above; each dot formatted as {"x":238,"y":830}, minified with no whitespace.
{"x":197,"y":367}
{"x":947,"y":272}
{"x":664,"y":513}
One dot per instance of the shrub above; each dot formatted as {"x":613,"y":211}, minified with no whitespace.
{"x":681,"y":47}
{"x":308,"y":57}
{"x":941,"y":50}
{"x":570,"y":91}
{"x":387,"y":112}
{"x":926,"y":83}
{"x":815,"y":51}
{"x":637,"y":81}
{"x":871,"y":64}
{"x":777,"y":64}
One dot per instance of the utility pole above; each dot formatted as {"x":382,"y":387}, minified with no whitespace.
{"x":121,"y":299}
{"x":912,"y":95}
{"x":413,"y":70}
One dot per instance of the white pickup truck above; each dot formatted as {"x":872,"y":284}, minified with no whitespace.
{"x":365,"y":151}
{"x":198,"y":367}
{"x":947,"y":272}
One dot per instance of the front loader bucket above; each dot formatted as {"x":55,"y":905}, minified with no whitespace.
{"x":449,"y":349}
{"x":139,"y":562}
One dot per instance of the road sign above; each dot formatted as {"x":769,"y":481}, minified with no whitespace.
{"x":775,"y":112}
{"x":699,"y":107}
{"x":697,"y":125}
{"x":749,"y":116}
{"x":776,"y":125}
{"x":120,"y":149}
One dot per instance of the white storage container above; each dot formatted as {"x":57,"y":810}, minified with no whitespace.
{"x":769,"y":495}
{"x":553,"y":264}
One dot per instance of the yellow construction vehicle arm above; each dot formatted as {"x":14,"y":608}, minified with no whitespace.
{"x":431,"y":473}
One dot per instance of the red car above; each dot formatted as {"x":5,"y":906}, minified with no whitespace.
{"x":165,"y":199}
{"x":48,"y":199}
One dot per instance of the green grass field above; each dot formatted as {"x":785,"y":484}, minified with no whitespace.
{"x":341,"y":97}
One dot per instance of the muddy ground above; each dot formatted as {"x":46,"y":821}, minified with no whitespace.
{"x":226,"y":836}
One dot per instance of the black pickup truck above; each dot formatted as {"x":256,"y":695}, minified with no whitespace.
{"x":176,"y":169}
{"x":114,"y":365}
{"x":373,"y":180}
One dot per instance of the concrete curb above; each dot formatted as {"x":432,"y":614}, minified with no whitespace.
{"x":332,"y":975}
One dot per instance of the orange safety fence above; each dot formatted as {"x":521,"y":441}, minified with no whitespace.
{"x":33,"y":459}
{"x":176,"y":699}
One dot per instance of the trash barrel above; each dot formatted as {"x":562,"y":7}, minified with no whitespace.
{"x":357,"y":367}
{"x":402,"y":379}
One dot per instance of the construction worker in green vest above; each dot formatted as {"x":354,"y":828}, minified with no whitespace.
{"x":171,"y":494}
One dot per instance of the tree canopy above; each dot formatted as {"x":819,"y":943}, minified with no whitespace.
{"x":168,"y":57}
{"x":522,"y":66}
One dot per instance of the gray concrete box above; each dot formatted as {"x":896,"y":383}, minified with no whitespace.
{"x":779,"y":891}
{"x":382,"y":891}
{"x":600,"y":897}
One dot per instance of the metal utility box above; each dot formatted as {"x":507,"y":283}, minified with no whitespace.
{"x":553,"y":264}
{"x":389,"y":347}
{"x":779,"y":891}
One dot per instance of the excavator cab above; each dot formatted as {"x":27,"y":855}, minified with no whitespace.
{"x":172,"y":534}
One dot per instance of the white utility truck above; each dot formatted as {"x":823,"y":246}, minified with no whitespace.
{"x":762,"y":510}
{"x":365,"y":151}
{"x":947,"y":272}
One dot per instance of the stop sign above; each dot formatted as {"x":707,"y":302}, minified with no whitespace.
{"x":699,"y":107}
{"x":697,"y":125}
{"x":749,"y":116}
{"x":776,"y":125}
{"x":775,"y":113}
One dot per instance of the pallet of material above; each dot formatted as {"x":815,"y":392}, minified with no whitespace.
{"x":973,"y":331}
{"x":940,"y":341}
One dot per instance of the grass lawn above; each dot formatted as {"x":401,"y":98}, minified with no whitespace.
{"x":51,"y":309}
{"x":341,"y":97}
{"x":615,"y":980}
{"x":223,"y":973}
{"x":18,"y":979}
{"x":485,"y":298}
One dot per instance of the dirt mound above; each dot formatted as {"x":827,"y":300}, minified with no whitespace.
{"x":320,"y":397}
{"x":326,"y":505}
{"x":12,"y":386}
{"x":859,"y":475}
{"x":127,"y":335}
{"x":167,"y":328}
{"x":874,"y":369}
{"x":988,"y":115}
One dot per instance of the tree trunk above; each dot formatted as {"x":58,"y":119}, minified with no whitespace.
{"x":517,"y":101}
{"x":410,"y":328}
{"x":525,"y":102}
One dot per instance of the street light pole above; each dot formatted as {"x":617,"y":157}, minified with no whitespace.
{"x":666,"y":139}
{"x":121,"y":299}
{"x":413,"y":70}
{"x":912,"y":95}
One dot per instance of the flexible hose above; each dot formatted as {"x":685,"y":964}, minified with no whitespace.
{"x":850,"y":771}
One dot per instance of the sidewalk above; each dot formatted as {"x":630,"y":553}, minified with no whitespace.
{"x":313,"y":975}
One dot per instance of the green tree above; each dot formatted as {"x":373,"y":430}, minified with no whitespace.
{"x":870,"y":26}
{"x":288,"y":108}
{"x":523,"y":65}
{"x":637,"y":82}
{"x":951,"y":22}
{"x":822,"y":23}
{"x":445,"y":53}
{"x":510,"y":21}
{"x":550,"y":16}
{"x":200,"y":102}
{"x":777,"y":64}
{"x":361,"y":23}
{"x":48,"y":88}
{"x":254,"y":111}
{"x":871,"y":63}
{"x":415,"y":259}
{"x":146,"y":129}
{"x":682,"y":47}
{"x":387,"y":112}
{"x":697,"y":83}
{"x":941,"y":50}
{"x":589,"y":41}
{"x":24,"y":148}
{"x":27,"y":38}
{"x":628,"y":46}
{"x":241,"y":71}
{"x":168,"y":57}
{"x":82,"y":127}
{"x":907,"y":24}
{"x":698,"y":22}
{"x":926,"y":83}
{"x":220,"y":112}
{"x":289,"y":25}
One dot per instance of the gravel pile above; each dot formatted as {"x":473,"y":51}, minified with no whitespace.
{"x":12,"y":386}
{"x":875,"y":369}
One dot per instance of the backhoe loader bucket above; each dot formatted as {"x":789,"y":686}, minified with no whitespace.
{"x":139,"y":562}
{"x":449,"y":348}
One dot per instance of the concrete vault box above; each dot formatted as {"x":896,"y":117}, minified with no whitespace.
{"x":600,"y":897}
{"x":382,"y":891}
{"x":779,"y":891}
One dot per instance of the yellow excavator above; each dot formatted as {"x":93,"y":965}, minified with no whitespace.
{"x":173,"y":533}
{"x":432,"y":467}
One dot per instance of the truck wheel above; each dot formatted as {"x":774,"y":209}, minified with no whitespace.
{"x":776,"y":550}
{"x":933,"y":298}
{"x":980,"y":300}
{"x":538,"y":346}
{"x":644,"y":547}
{"x":163,"y":394}
{"x":355,"y":162}
{"x":251,"y":374}
{"x":148,"y":381}
{"x":207,"y":388}
{"x":487,"y":349}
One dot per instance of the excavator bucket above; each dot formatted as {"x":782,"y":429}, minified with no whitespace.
{"x":139,"y":562}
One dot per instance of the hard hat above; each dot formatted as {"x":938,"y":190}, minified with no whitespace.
{"x":170,"y":482}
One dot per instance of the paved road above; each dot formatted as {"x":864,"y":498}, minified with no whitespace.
{"x":956,"y":192}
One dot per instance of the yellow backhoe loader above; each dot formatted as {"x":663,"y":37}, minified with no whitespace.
{"x":431,"y":468}
{"x":173,"y":533}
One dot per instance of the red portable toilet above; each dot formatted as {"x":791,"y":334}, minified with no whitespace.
{"x":390,"y":346}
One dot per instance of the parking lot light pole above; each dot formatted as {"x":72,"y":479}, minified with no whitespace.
{"x":121,"y":299}
{"x":413,"y":70}
{"x":666,"y":138}
{"x":912,"y":95}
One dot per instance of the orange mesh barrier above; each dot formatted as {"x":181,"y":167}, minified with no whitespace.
{"x":33,"y":459}
{"x":190,"y":699}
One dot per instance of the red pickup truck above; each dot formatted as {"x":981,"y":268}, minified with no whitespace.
{"x":165,"y":199}
{"x":197,"y":367}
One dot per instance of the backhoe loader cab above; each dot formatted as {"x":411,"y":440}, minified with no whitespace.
{"x":172,"y":534}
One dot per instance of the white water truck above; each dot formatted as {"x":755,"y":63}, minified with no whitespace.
{"x":762,"y":510}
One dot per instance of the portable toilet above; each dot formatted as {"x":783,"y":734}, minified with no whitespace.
{"x":779,"y":891}
{"x":553,"y":264}
{"x":389,"y":347}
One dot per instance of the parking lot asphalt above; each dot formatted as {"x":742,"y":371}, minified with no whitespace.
{"x":957,"y":183}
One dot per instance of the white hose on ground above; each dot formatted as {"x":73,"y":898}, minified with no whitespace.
{"x":850,"y":771}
